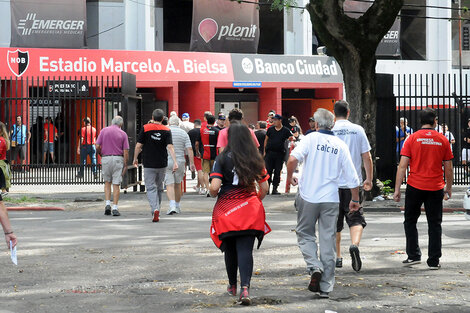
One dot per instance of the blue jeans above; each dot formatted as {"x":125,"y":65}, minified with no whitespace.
{"x":87,"y":150}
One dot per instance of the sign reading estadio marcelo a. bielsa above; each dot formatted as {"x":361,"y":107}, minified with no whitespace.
{"x":225,"y":26}
{"x":169,"y":66}
{"x":48,"y":23}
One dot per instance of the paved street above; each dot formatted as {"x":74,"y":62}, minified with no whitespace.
{"x":79,"y":260}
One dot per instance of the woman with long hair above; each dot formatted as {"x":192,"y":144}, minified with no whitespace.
{"x":239,"y":178}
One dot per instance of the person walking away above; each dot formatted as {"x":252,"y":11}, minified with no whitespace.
{"x":327,"y":164}
{"x":260,"y":134}
{"x":185,"y":124}
{"x":425,"y":151}
{"x":20,"y":136}
{"x":5,"y":172}
{"x":113,"y":146}
{"x":359,"y":148}
{"x":238,"y":216}
{"x":207,"y":139}
{"x":274,"y":147}
{"x":50,"y":134}
{"x":86,"y":147}
{"x":173,"y":179}
{"x":235,"y":115}
{"x":194,"y":134}
{"x":155,"y":142}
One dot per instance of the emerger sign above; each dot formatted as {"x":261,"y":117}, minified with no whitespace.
{"x":48,"y":23}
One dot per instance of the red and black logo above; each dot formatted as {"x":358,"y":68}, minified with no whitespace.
{"x":18,"y":61}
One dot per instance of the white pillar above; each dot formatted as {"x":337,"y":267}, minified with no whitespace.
{"x":297,"y":30}
{"x":439,"y":36}
{"x":139,"y":25}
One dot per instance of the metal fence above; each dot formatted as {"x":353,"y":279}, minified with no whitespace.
{"x":47,"y":118}
{"x":449,"y":96}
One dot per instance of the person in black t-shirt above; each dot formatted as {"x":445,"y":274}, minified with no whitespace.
{"x":274,"y":147}
{"x":194,"y":135}
{"x":155,"y":140}
{"x":260,"y":134}
{"x":466,"y":147}
{"x":294,"y":129}
{"x":311,"y":123}
{"x":238,"y":216}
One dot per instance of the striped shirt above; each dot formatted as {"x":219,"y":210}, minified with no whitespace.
{"x":181,"y":142}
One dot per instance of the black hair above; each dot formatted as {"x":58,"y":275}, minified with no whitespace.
{"x":235,"y":115}
{"x":341,"y":108}
{"x":197,"y":122}
{"x":158,"y":115}
{"x":87,"y":120}
{"x":165,"y":120}
{"x":427,"y":116}
{"x":210,"y":119}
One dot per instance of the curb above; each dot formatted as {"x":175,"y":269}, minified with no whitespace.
{"x":402,"y":209}
{"x":35,"y":208}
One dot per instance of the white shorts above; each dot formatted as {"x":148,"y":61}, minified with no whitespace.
{"x":112,"y":166}
{"x":465,"y":154}
{"x":176,"y":177}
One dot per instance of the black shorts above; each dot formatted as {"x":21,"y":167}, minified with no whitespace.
{"x":19,"y":150}
{"x":356,"y":218}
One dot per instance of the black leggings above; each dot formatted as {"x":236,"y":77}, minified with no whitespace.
{"x":239,"y":254}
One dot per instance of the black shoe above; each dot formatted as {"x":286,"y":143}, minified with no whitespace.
{"x":434,"y":267}
{"x":95,"y":175}
{"x":355,"y":258}
{"x":409,"y":262}
{"x":314,"y":285}
{"x":116,"y":212}
{"x":275,"y":192}
{"x":324,"y":294}
{"x":339,"y":262}
{"x":107,"y":210}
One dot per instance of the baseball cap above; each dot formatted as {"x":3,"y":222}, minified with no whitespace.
{"x":311,"y":119}
{"x":277,"y":116}
{"x":185,"y":115}
{"x":271,"y":114}
{"x":221,"y":117}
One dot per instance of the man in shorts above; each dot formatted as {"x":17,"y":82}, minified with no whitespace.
{"x":20,"y":136}
{"x":113,"y":146}
{"x":355,"y":137}
{"x":173,"y":179}
{"x":194,"y":134}
{"x":50,"y":134}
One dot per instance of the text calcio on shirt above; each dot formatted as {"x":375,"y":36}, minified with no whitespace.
{"x":326,"y":148}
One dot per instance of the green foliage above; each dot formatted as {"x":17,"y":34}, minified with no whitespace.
{"x":386,"y":189}
{"x":26,"y":199}
{"x":281,"y":4}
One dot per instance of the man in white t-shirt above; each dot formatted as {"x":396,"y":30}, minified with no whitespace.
{"x":355,"y":137}
{"x":326,"y":163}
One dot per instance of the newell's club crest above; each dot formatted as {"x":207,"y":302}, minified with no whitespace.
{"x":18,"y":61}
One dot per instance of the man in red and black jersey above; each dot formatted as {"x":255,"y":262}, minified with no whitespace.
{"x":155,"y":140}
{"x":208,"y":140}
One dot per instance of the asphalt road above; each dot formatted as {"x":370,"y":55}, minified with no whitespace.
{"x":82,"y":261}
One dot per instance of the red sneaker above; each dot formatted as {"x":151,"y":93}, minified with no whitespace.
{"x":156,"y":215}
{"x":232,"y":290}
{"x":245,"y":296}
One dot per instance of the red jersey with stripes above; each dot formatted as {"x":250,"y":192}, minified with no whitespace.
{"x":155,"y":138}
{"x":209,"y":135}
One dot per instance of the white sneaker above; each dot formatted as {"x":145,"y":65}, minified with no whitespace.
{"x":171,"y":210}
{"x":177,"y":210}
{"x":202,"y":191}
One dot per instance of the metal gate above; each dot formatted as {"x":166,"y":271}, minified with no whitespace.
{"x":449,"y":96}
{"x":52,"y":124}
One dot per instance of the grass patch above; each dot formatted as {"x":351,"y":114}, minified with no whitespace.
{"x":26,"y":199}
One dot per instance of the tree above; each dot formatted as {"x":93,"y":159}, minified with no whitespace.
{"x":353,"y":42}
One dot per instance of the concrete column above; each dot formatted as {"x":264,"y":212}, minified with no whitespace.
{"x":139,"y":24}
{"x":297,"y":30}
{"x":439,"y":36}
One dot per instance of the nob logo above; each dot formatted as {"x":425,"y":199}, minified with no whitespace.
{"x":32,"y":25}
{"x":247,"y":66}
{"x":18,"y":61}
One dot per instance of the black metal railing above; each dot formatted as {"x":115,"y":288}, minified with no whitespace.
{"x":62,"y":116}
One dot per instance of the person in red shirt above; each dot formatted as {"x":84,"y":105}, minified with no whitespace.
{"x":4,"y":221}
{"x":86,"y":147}
{"x":425,"y":151}
{"x":50,"y":134}
{"x":208,"y":140}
